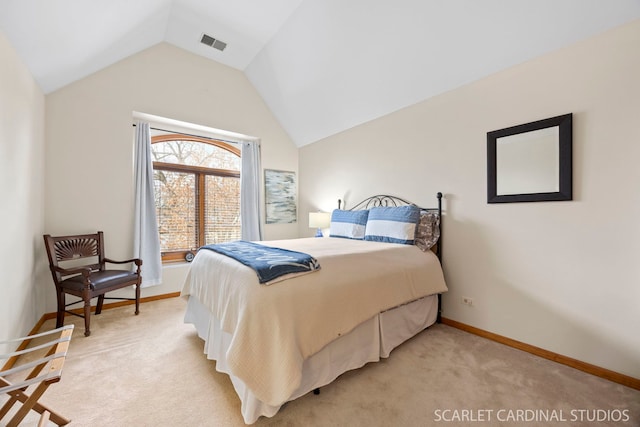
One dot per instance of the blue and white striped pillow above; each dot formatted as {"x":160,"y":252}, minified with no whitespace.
{"x":395,"y":224}
{"x":348,"y":224}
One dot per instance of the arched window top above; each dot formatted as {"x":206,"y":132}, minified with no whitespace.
{"x":195,"y":151}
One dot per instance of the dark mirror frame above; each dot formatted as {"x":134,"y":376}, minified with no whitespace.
{"x":565,"y":146}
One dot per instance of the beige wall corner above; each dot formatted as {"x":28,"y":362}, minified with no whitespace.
{"x":21,"y":190}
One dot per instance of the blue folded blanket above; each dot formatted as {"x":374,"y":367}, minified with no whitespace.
{"x":269,"y":263}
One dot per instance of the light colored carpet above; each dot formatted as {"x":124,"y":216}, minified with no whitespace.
{"x":150,"y":370}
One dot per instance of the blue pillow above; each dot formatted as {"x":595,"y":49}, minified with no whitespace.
{"x":395,"y":224}
{"x":348,"y":224}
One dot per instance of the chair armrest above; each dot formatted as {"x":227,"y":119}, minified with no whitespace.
{"x":136,"y":261}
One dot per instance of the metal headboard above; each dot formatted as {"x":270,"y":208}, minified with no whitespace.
{"x":384,"y":200}
{"x":379,"y":200}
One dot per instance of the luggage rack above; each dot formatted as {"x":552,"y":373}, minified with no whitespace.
{"x":40,"y":373}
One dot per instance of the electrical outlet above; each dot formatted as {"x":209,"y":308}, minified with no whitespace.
{"x":467,"y":301}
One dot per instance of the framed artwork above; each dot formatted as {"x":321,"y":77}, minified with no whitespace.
{"x":280,"y":197}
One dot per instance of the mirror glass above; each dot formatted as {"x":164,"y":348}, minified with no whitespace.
{"x":530,"y":162}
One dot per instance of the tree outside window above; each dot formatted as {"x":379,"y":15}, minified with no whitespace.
{"x":197,"y":193}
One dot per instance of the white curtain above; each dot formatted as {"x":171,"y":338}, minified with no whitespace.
{"x":250,"y":191}
{"x":146,"y":241}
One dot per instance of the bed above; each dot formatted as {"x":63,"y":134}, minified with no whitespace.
{"x":372,"y":291}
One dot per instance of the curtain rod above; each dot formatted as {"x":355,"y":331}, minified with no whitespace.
{"x":190,"y":134}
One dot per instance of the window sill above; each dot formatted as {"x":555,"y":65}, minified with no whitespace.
{"x":175,"y":263}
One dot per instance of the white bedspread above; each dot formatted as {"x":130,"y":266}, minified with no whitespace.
{"x":275,"y":328}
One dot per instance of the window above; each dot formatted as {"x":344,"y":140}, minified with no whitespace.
{"x":197,"y":192}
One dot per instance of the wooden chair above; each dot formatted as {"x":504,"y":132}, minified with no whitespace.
{"x":17,"y":389}
{"x":86,"y":281}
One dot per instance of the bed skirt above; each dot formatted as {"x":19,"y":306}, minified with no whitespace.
{"x":368,"y":342}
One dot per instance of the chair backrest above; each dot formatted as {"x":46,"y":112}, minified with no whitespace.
{"x":61,"y":249}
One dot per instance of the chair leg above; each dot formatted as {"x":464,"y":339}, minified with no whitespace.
{"x":99,"y":305}
{"x":61,"y":308}
{"x":137,"y":299}
{"x":87,"y":314}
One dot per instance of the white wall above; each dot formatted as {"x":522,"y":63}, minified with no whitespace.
{"x":21,"y":191}
{"x":90,"y":141}
{"x":563,"y":276}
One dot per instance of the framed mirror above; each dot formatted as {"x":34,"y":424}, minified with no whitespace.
{"x":531,"y":162}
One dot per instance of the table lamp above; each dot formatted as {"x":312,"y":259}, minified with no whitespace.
{"x":319,"y":220}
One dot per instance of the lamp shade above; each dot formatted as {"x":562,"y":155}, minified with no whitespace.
{"x":319,"y":219}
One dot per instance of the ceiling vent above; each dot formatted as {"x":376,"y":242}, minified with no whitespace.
{"x":214,"y":43}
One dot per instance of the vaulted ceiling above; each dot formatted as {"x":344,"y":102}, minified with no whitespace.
{"x":322,"y":66}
